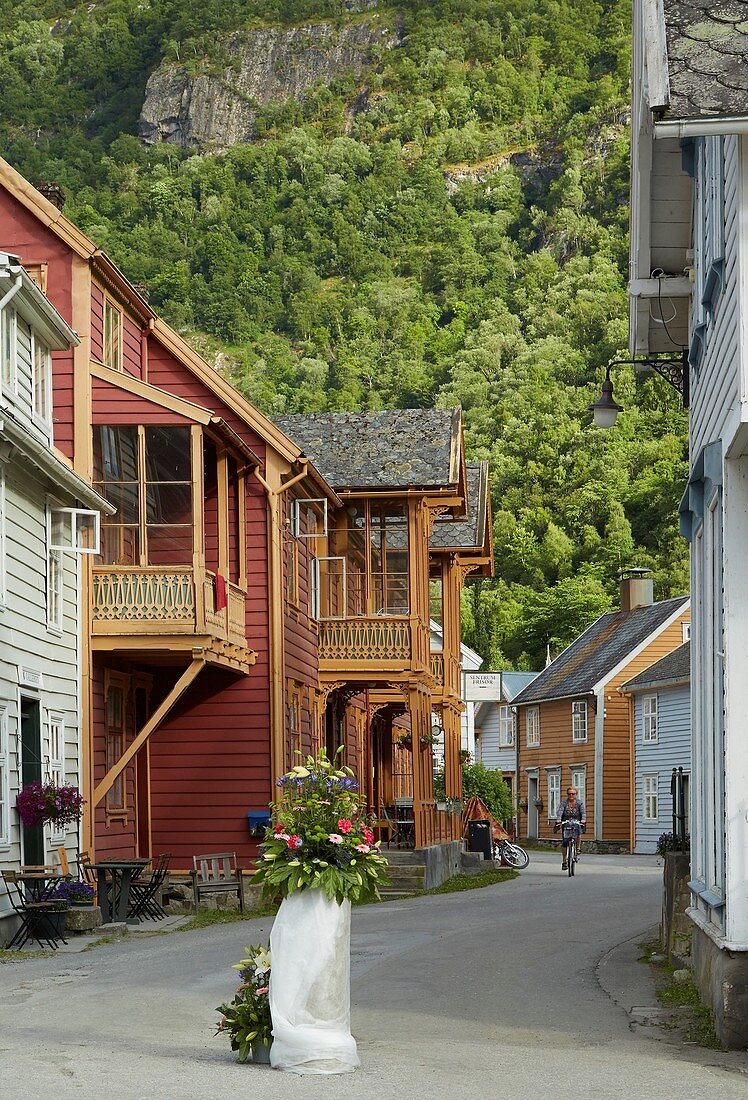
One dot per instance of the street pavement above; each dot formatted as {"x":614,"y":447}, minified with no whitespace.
{"x":490,"y":993}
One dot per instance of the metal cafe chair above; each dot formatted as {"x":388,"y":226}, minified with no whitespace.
{"x":35,"y":916}
{"x":144,"y":902}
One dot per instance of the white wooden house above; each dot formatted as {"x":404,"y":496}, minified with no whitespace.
{"x":689,"y":258}
{"x":496,"y":728}
{"x":48,"y":518}
{"x":661,"y":699}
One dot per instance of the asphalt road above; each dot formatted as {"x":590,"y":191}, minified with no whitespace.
{"x":489,"y":993}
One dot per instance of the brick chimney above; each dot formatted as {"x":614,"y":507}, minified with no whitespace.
{"x":53,"y":192}
{"x":637,"y":589}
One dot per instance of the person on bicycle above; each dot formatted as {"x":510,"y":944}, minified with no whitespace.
{"x":571,"y":809}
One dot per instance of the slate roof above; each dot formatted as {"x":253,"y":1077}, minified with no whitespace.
{"x":596,"y":652}
{"x":675,"y":668}
{"x":449,"y":534}
{"x":707,"y":52}
{"x":394,"y":449}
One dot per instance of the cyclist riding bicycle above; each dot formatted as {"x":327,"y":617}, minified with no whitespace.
{"x":569,"y":810}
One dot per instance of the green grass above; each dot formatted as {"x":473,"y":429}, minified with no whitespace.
{"x":458,"y":883}
{"x":696,"y":1018}
{"x":206,"y":918}
{"x":20,"y":956}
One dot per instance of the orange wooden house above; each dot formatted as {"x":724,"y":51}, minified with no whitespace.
{"x":574,"y":727}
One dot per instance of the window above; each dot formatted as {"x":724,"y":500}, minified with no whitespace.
{"x":373,"y":539}
{"x":436,"y":608}
{"x":532,"y":726}
{"x":8,"y":349}
{"x":579,"y":720}
{"x":146,"y":473}
{"x":649,"y":788}
{"x":116,"y":704}
{"x":649,"y":718}
{"x":55,"y":578}
{"x":292,"y":569}
{"x":579,"y":780}
{"x":554,"y":792}
{"x":686,"y":629}
{"x":56,"y":727}
{"x":42,"y":382}
{"x":112,"y":350}
{"x":328,"y":592}
{"x":506,"y":727}
{"x":2,"y":537}
{"x":309,"y":518}
{"x":4,"y":778}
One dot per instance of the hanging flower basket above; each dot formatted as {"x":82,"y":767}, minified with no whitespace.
{"x":38,"y":803}
{"x":404,"y":741}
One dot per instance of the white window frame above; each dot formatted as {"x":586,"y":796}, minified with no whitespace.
{"x":507,"y":721}
{"x":316,"y":589}
{"x":553,"y":778}
{"x":308,"y":503}
{"x":650,"y":798}
{"x":532,"y":727}
{"x":579,"y":780}
{"x":55,"y":581}
{"x":56,"y":758}
{"x":76,"y":515}
{"x":4,"y":778}
{"x":686,"y":632}
{"x":3,"y":542}
{"x":650,"y":719}
{"x":579,"y":728}
{"x":9,"y":382}
{"x":42,"y":416}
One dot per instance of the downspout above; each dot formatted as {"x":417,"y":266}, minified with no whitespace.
{"x":10,"y":294}
{"x":275,"y":620}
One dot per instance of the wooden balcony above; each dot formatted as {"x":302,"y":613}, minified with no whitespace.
{"x":172,"y":608}
{"x":380,"y":643}
{"x":445,"y":668}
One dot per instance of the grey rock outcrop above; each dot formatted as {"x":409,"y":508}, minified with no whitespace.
{"x":212,"y":111}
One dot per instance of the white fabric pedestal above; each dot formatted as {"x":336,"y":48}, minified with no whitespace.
{"x":310,"y":986}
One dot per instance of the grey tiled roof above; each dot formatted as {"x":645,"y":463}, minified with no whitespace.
{"x":707,"y":52}
{"x":674,"y":668}
{"x":598,"y":651}
{"x":450,"y":534}
{"x":393,"y":449}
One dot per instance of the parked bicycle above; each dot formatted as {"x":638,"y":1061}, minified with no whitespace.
{"x":571,"y":831}
{"x":511,"y":854}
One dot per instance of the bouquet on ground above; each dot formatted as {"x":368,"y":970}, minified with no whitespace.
{"x":40,"y":802}
{"x":320,"y":837}
{"x":246,"y":1020}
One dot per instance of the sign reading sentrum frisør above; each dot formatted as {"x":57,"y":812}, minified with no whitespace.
{"x":480,"y":686}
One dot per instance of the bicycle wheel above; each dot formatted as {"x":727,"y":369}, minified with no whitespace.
{"x":571,"y":856}
{"x":515,"y":856}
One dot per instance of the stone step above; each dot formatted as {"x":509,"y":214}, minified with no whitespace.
{"x":403,"y":857}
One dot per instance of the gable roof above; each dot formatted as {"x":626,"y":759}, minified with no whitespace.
{"x":392,"y":449}
{"x":469,"y":533}
{"x":599,"y":650}
{"x":707,"y":58}
{"x":674,"y":668}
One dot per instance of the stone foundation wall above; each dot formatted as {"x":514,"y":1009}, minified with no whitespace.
{"x":442,"y":862}
{"x":676,"y":897}
{"x":722,"y":978}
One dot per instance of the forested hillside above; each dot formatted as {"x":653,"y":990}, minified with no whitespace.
{"x":446,"y":226}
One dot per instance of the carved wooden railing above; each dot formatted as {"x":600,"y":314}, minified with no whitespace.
{"x":437,"y":667}
{"x":375,"y":639}
{"x":163,"y":596}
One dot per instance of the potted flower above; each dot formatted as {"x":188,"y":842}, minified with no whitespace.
{"x":404,"y":740}
{"x":246,"y":1019}
{"x":522,"y":805}
{"x":39,"y":802}
{"x":538,"y":803}
{"x":75,"y":893}
{"x":319,"y":856}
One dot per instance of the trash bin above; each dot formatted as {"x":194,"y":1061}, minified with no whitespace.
{"x":258,"y":821}
{"x":479,"y":838}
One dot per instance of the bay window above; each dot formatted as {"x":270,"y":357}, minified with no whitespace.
{"x":373,"y":540}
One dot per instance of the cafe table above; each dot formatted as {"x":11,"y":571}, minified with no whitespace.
{"x":113,"y":878}
{"x":40,"y":885}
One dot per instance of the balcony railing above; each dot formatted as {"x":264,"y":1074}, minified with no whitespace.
{"x":155,"y":600}
{"x":437,"y":667}
{"x":376,"y":639}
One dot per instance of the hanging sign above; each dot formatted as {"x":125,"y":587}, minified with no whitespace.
{"x":481,"y":686}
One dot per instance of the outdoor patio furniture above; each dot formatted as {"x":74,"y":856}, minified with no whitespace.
{"x":40,"y":919}
{"x":215,"y":874}
{"x":113,"y":879}
{"x":400,"y":823}
{"x":144,"y":901}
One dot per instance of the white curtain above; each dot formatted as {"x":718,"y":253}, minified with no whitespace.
{"x":310,"y":986}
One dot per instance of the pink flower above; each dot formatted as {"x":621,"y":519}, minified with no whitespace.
{"x":295,"y":842}
{"x":335,"y":838}
{"x":363,"y":848}
{"x":345,"y":825}
{"x":264,"y":989}
{"x":281,"y":836}
{"x":280,"y":828}
{"x":368,"y":836}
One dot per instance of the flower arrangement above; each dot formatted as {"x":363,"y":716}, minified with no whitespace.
{"x":320,"y":837}
{"x":39,"y":802}
{"x":246,"y":1019}
{"x":75,"y":893}
{"x":404,"y":740}
{"x":669,"y":842}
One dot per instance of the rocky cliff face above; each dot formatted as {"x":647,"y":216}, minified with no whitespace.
{"x":211,"y":112}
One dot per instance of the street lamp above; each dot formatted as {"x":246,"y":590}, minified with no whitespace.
{"x":675,"y":371}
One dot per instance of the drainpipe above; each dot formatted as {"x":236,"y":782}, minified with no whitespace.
{"x":275,"y":619}
{"x":12,"y":292}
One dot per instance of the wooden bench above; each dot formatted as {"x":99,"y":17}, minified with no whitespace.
{"x":215,"y":874}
